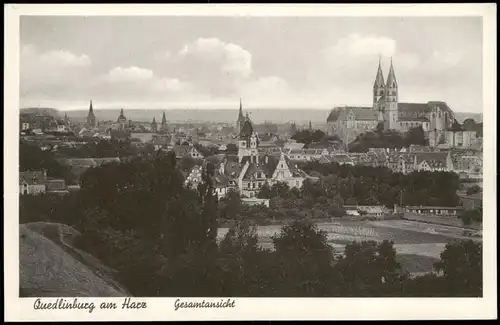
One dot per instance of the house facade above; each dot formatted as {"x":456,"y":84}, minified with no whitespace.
{"x":32,"y":182}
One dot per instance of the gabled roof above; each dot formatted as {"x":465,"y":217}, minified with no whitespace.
{"x":32,"y":177}
{"x":441,"y":105}
{"x":414,"y":107}
{"x":334,"y":115}
{"x":252,"y":170}
{"x":363,"y":113}
{"x":292,"y":166}
{"x":433,"y":159}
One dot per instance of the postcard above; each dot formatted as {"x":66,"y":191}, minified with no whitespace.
{"x":250,"y":162}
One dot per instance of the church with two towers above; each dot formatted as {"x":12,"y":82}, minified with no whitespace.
{"x":435,"y":117}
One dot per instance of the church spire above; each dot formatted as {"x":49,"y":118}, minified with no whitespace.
{"x":91,"y":120}
{"x":379,"y":79}
{"x":391,"y":78}
{"x":164,"y":119}
{"x":163,"y":127}
{"x":240,"y":114}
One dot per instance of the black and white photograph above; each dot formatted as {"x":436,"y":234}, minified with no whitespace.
{"x":208,"y":158}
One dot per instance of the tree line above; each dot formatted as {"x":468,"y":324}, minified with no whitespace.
{"x":161,"y":238}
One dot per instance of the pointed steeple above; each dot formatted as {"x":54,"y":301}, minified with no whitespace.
{"x":154,"y":120}
{"x":241,"y":118}
{"x":391,"y":78}
{"x":163,"y":127}
{"x":379,"y":79}
{"x":164,"y":119}
{"x":91,"y":120}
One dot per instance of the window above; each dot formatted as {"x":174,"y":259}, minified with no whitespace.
{"x":248,"y":185}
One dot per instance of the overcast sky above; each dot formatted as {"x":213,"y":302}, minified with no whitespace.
{"x":169,"y":62}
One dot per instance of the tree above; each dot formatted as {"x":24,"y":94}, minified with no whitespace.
{"x":231,"y":148}
{"x":264,"y":192}
{"x":304,"y":260}
{"x":369,"y":268}
{"x":32,"y":158}
{"x":415,"y":136}
{"x":474,"y":189}
{"x":462,"y":267}
{"x":308,"y":136}
{"x":469,"y":124}
{"x":279,"y":189}
{"x":231,"y":205}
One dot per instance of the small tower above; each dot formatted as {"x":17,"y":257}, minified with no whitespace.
{"x":91,"y":120}
{"x":164,"y":127}
{"x":391,"y":99}
{"x":248,"y":142}
{"x":154,"y":125}
{"x":310,"y":126}
{"x":122,"y":120}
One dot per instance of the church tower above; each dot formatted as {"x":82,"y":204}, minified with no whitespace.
{"x":248,"y":143}
{"x":154,"y":125}
{"x":91,"y":120}
{"x":163,"y":127}
{"x":391,"y":99}
{"x":240,"y":120}
{"x":378,"y":88}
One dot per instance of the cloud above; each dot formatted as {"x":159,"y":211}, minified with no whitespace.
{"x":130,"y":74}
{"x":51,"y":73}
{"x":358,"y":46}
{"x":135,"y":82}
{"x":231,"y":58}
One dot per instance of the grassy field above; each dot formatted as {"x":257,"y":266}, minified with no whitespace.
{"x":417,"y":244}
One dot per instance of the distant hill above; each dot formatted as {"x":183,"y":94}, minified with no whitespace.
{"x":299,"y":116}
{"x":42,"y":110}
{"x":461,"y":117}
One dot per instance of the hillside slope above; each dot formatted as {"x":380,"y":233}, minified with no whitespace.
{"x":50,"y":266}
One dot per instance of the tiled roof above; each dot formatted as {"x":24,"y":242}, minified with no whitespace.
{"x":334,"y":115}
{"x":363,"y":113}
{"x":442,"y":105}
{"x":414,"y":107}
{"x":413,"y":119}
{"x":292,"y":166}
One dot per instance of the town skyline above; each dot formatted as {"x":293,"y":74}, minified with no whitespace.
{"x":283,"y":68}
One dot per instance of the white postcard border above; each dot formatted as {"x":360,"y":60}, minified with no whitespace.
{"x":21,"y":309}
